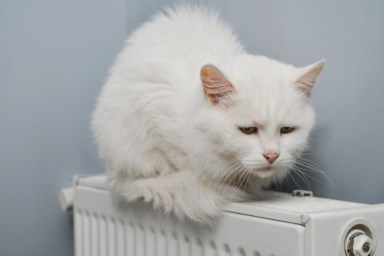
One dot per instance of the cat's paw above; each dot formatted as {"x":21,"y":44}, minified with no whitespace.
{"x":190,"y":199}
{"x":200,"y":204}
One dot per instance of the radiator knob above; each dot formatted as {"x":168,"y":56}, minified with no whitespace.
{"x":358,"y":243}
{"x":362,"y":245}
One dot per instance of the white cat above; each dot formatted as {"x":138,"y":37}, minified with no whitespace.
{"x":188,"y":120}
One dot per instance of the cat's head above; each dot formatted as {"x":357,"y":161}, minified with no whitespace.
{"x":257,"y":116}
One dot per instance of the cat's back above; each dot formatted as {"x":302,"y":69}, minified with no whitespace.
{"x":186,"y":30}
{"x":180,"y":37}
{"x":155,"y":85}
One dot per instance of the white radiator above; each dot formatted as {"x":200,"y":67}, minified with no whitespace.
{"x":284,"y":225}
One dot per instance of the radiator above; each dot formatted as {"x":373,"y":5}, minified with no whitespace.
{"x":283,"y":225}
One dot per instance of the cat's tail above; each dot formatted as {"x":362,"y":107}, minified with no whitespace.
{"x":181,"y":193}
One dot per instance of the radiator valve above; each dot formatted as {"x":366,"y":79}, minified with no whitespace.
{"x":358,"y":243}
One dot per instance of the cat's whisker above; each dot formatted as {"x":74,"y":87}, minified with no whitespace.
{"x":245,"y":179}
{"x":302,"y":176}
{"x":308,"y":162}
{"x":311,"y":152}
{"x":278,"y":182}
{"x":234,"y":180}
{"x":232,"y":168}
{"x":239,"y":181}
{"x":232,"y":175}
{"x":292,"y":177}
{"x":220,"y":175}
{"x":311,"y":167}
{"x":250,"y":174}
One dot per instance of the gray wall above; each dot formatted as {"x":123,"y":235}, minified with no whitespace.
{"x":53,"y":60}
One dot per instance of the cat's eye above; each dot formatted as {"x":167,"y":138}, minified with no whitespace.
{"x":287,"y":129}
{"x":248,"y":130}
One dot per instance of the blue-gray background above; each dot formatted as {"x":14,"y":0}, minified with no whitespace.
{"x":53,"y":60}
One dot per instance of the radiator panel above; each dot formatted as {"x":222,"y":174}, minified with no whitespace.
{"x":103,"y":228}
{"x":281,"y":225}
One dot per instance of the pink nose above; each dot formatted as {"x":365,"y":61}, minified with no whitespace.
{"x":271,"y":156}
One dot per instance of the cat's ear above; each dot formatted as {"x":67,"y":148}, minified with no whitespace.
{"x":307,"y":77}
{"x":216,"y":86}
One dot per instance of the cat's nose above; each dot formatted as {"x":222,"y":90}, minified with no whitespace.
{"x":271,"y":156}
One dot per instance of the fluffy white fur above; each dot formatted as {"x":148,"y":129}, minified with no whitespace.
{"x":165,"y":140}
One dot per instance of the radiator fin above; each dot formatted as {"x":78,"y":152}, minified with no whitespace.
{"x":103,"y":250}
{"x":130,"y":239}
{"x":140,"y":240}
{"x":79,"y":233}
{"x":120,"y":238}
{"x":226,"y":250}
{"x":242,"y":252}
{"x":101,"y":235}
{"x":211,"y":249}
{"x":173,"y":244}
{"x":150,"y":242}
{"x":111,"y":238}
{"x":161,"y":243}
{"x":87,"y":230}
{"x":94,"y":233}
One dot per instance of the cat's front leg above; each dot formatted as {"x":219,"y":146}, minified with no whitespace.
{"x":181,"y":193}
